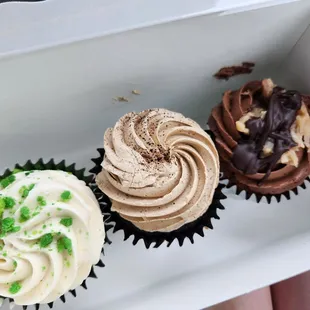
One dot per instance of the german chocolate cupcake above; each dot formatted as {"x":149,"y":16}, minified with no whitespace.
{"x":52,"y":233}
{"x":262,"y":133}
{"x":160,"y":171}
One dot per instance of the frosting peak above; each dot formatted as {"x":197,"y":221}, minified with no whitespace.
{"x":160,"y":169}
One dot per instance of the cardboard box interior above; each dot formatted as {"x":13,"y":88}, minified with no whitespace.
{"x":58,"y":103}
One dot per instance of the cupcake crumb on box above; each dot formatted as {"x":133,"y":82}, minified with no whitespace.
{"x":226,"y":73}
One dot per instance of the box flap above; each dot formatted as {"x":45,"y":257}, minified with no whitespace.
{"x":26,"y":26}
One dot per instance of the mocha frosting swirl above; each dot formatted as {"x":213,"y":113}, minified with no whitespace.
{"x":262,"y":136}
{"x":160,"y":169}
{"x":52,"y":232}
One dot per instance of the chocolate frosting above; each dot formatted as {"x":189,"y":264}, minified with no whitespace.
{"x":241,"y":155}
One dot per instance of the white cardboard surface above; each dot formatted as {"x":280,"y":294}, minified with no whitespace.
{"x":31,"y":26}
{"x":58,"y":102}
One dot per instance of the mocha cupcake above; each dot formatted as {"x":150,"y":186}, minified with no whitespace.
{"x":160,"y":171}
{"x":262,"y":133}
{"x":52,"y":233}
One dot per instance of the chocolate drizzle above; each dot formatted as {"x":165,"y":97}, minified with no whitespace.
{"x":275,"y":127}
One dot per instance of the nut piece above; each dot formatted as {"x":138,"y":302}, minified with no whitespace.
{"x":268,"y":87}
{"x":240,"y":125}
{"x":290,"y":157}
{"x":268,"y":148}
{"x":256,"y":112}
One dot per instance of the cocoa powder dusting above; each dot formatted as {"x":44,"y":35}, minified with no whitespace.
{"x":156,"y":155}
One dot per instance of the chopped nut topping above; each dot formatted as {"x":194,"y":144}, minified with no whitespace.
{"x":290,"y":157}
{"x":268,"y":87}
{"x":240,"y":125}
{"x":300,"y":130}
{"x":268,"y":148}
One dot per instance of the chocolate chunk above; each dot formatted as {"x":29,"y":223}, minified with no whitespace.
{"x":226,"y":73}
{"x":281,"y":114}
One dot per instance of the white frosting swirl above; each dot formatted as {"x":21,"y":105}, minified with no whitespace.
{"x":160,"y":169}
{"x":42,"y":274}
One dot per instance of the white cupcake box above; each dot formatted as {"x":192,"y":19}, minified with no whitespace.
{"x":57,"y":102}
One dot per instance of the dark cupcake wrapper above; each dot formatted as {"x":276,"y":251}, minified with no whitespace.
{"x":88,"y":179}
{"x":158,"y":238}
{"x":258,"y":197}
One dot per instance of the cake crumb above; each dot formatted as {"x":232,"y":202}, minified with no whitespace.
{"x":121,"y":99}
{"x":226,"y":73}
{"x":135,"y":92}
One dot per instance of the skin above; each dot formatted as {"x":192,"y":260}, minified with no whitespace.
{"x":291,"y":294}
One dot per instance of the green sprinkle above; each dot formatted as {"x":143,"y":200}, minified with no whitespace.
{"x":46,"y":240}
{"x":68,"y":264}
{"x":44,"y":226}
{"x":7,"y":225}
{"x":9,"y":202}
{"x":15,"y":229}
{"x":35,"y":232}
{"x":5,"y":254}
{"x":52,"y":274}
{"x":15,"y":264}
{"x":59,"y":209}
{"x":16,"y":170}
{"x":15,"y":288}
{"x":1,"y":247}
{"x":28,"y":172}
{"x":65,"y":196}
{"x":64,"y":243}
{"x":25,"y":233}
{"x":41,"y":201}
{"x":35,"y":214}
{"x":43,"y":268}
{"x":48,"y":214}
{"x":66,"y":221}
{"x":2,"y":206}
{"x":24,"y":190}
{"x":24,"y":214}
{"x":8,"y":180}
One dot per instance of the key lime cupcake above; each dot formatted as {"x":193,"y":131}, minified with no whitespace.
{"x":52,"y":233}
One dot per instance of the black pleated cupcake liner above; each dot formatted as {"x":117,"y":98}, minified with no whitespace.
{"x":89,"y":180}
{"x":258,"y":197}
{"x":158,"y":238}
